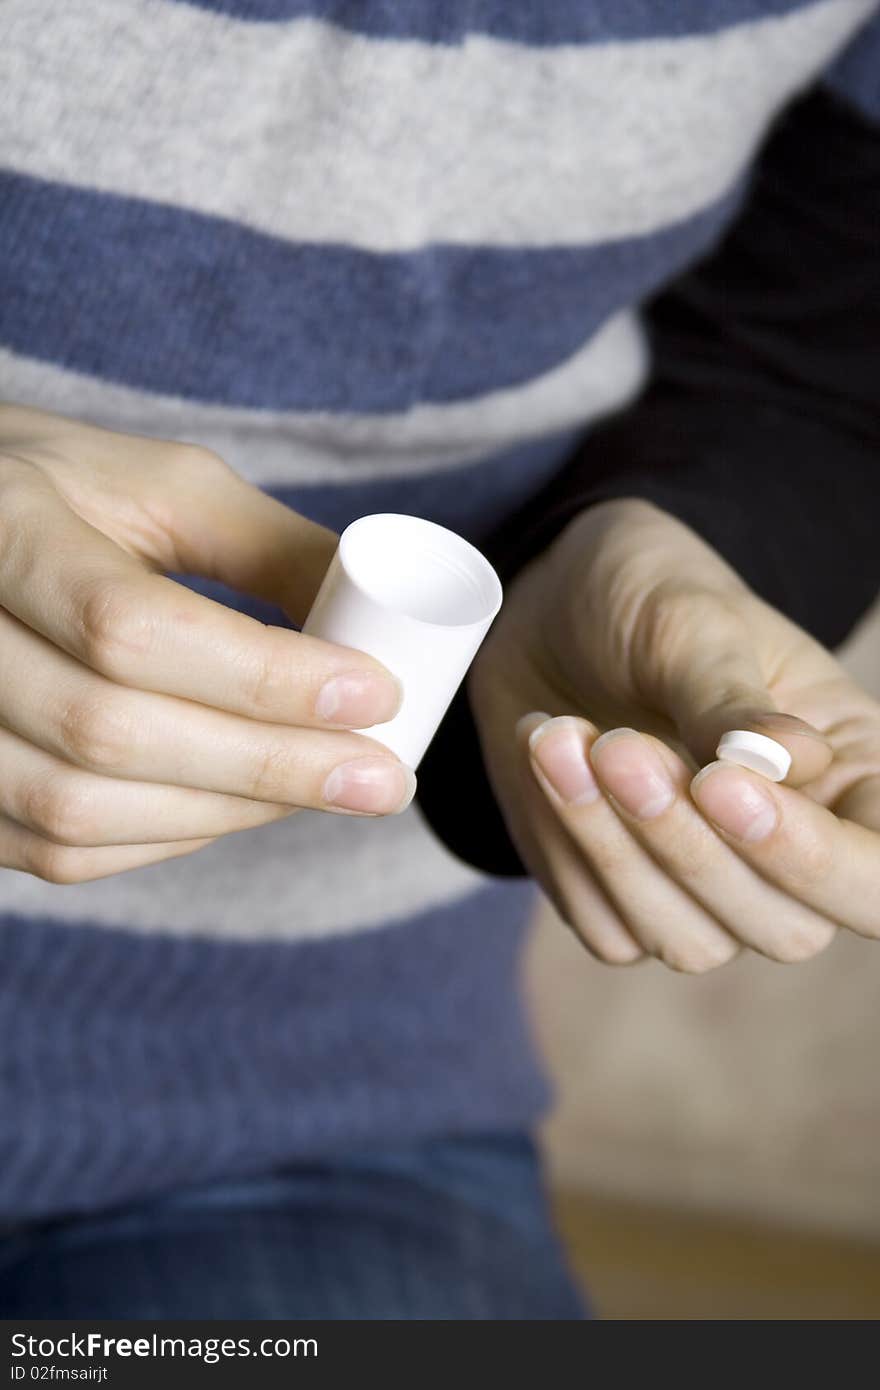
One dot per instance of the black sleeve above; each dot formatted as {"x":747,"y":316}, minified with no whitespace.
{"x":760,"y":427}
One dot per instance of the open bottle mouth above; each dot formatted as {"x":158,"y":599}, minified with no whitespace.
{"x":420,"y":570}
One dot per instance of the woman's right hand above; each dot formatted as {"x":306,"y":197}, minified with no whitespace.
{"x":140,"y":720}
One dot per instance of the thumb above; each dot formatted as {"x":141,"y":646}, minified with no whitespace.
{"x":224,"y":528}
{"x":715,"y":684}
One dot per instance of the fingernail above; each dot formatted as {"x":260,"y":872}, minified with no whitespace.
{"x":735,"y":802}
{"x":358,"y":699}
{"x":559,"y":749}
{"x":632,"y":771}
{"x":527,"y":723}
{"x":372,"y":786}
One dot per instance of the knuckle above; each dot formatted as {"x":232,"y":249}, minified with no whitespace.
{"x":113,"y":625}
{"x":58,"y":808}
{"x":55,"y":863}
{"x":673,"y":598}
{"x":613,"y":953}
{"x":17,"y":478}
{"x":21,"y":515}
{"x":267,"y":683}
{"x":800,"y":944}
{"x":604,"y":946}
{"x":270,"y":776}
{"x":696,"y":956}
{"x":695,"y":861}
{"x":195,"y":462}
{"x":812,"y":864}
{"x":98,"y":732}
{"x":672,"y":614}
{"x":612,"y":860}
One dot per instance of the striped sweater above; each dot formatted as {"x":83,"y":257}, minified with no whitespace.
{"x":379,"y":256}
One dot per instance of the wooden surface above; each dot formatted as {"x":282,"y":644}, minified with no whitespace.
{"x":644,"y":1262}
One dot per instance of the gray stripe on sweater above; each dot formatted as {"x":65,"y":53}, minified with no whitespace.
{"x":316,"y":134}
{"x":308,"y":447}
{"x":279,"y":882}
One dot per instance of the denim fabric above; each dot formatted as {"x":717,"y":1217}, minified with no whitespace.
{"x":450,"y":1230}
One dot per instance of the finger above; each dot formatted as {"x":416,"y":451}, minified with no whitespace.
{"x":181,"y":507}
{"x":712,"y":683}
{"x":86,"y":720}
{"x":21,"y":849}
{"x":556,"y":863}
{"x":861,"y":802}
{"x":650,"y":788}
{"x":94,"y":600}
{"x":662,"y":917}
{"x":831,"y":864}
{"x":73,"y":807}
{"x":810,"y":752}
{"x":225,"y":528}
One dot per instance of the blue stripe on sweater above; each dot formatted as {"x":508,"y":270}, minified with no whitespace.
{"x":471,"y":499}
{"x":133,"y":1064}
{"x":522,"y":21}
{"x":177,"y":302}
{"x":856,"y":74}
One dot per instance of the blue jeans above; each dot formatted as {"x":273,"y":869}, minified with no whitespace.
{"x":443,"y":1230}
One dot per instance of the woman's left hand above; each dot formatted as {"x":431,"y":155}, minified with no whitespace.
{"x":631,"y":622}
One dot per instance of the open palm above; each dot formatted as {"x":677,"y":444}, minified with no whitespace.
{"x":631,"y":623}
